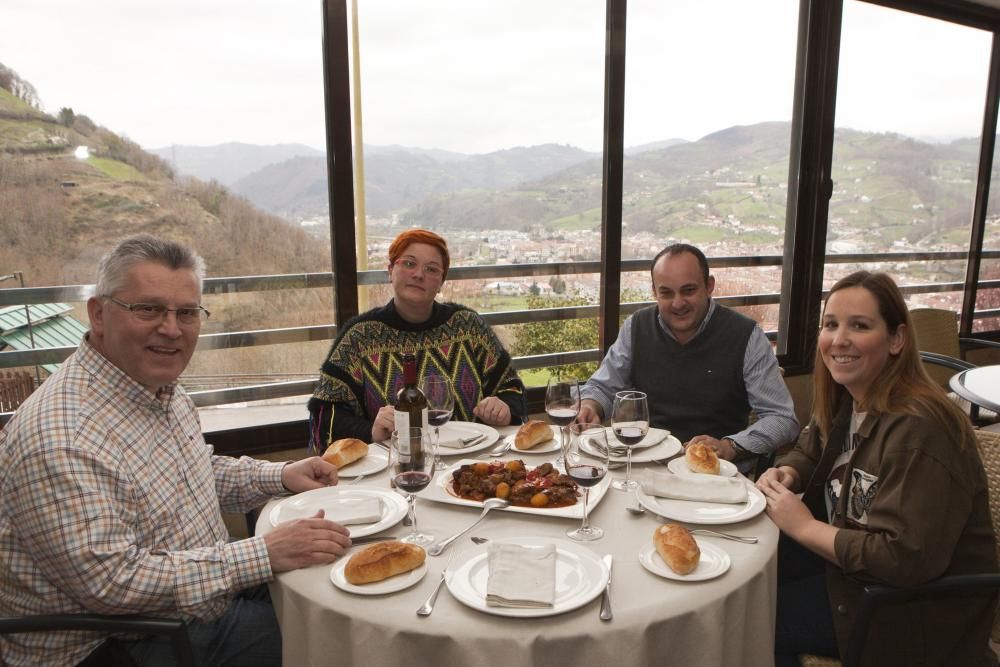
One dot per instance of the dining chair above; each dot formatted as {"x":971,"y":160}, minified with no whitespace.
{"x":942,"y":351}
{"x":877,"y":596}
{"x":105,"y":654}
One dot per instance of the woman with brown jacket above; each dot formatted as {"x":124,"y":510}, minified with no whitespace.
{"x":894,"y":493}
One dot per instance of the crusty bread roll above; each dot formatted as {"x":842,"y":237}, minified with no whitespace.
{"x":677,"y":548}
{"x":532,"y":433}
{"x":344,"y":451}
{"x":383,"y":560}
{"x":702,"y":458}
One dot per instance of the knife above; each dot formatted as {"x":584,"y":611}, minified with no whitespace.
{"x":606,"y":598}
{"x":371,"y":538}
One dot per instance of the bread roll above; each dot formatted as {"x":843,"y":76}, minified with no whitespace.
{"x":702,"y":458}
{"x":383,"y":560}
{"x":344,"y":451}
{"x":533,"y":433}
{"x":677,"y":548}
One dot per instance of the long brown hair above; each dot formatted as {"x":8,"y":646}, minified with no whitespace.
{"x":903,"y":386}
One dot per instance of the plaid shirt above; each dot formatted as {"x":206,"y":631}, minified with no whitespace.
{"x":110,"y":503}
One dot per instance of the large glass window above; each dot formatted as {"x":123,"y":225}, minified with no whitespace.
{"x":910,"y":102}
{"x":483,"y":121}
{"x":708,"y":104}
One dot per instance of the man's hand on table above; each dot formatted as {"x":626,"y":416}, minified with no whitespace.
{"x":724,"y":447}
{"x":590,"y":412}
{"x":306,"y":542}
{"x":308,"y":474}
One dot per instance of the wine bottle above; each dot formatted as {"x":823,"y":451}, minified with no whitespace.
{"x":411,"y":404}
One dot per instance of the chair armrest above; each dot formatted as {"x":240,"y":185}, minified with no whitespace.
{"x":973,"y":343}
{"x":945,"y":360}
{"x":876,"y":596}
{"x":173,"y":628}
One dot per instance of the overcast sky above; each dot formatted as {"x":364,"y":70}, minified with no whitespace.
{"x":478,"y":75}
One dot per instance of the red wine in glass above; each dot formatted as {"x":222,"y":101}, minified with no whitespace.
{"x":438,"y":417}
{"x":562,"y":416}
{"x":629,"y":435}
{"x":413,"y":481}
{"x":587,"y":475}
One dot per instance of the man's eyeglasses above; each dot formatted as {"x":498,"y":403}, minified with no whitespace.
{"x":432,"y":270}
{"x":154,"y":312}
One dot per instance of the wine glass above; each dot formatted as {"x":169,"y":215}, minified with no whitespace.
{"x":630,"y":423}
{"x":587,"y":466}
{"x":562,"y":405}
{"x":440,"y":406}
{"x":412,"y":469}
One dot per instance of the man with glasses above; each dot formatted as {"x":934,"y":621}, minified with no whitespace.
{"x":110,"y":498}
{"x":703,"y":366}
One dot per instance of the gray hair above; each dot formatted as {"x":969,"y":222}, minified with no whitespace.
{"x":134,"y":250}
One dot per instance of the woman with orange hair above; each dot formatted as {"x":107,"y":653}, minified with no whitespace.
{"x":894,"y":494}
{"x":362,"y":372}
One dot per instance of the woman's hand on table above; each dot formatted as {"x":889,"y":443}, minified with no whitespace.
{"x":308,"y":474}
{"x":305,"y":542}
{"x":784,"y":475}
{"x":493,"y":411}
{"x":384,"y":424}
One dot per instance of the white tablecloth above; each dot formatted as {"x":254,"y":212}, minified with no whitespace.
{"x":724,"y":621}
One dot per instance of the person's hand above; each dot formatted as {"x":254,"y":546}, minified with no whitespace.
{"x":724,"y":447}
{"x":785,"y":508}
{"x":307,"y":474}
{"x":385,"y":423}
{"x":493,"y":411}
{"x":305,"y":542}
{"x":590,"y":412}
{"x":785,"y":475}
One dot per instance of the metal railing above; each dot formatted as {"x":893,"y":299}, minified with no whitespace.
{"x":300,"y":334}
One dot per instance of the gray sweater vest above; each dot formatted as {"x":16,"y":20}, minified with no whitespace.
{"x":697,"y":388}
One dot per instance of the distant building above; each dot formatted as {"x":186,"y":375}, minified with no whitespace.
{"x":51,"y":325}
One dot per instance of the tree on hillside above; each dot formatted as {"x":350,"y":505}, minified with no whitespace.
{"x":18,"y":87}
{"x":66,"y":116}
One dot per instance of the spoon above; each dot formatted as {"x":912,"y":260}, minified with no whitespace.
{"x":491,"y":504}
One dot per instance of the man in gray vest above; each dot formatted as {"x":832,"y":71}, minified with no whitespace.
{"x":703,"y":367}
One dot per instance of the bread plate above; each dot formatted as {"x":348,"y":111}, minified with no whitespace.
{"x":580,"y":577}
{"x":545,"y":447}
{"x":390,"y":585}
{"x":454,"y":431}
{"x":377,"y":459}
{"x":705,"y":513}
{"x":714,"y":562}
{"x":440,"y":491}
{"x":306,"y":504}
{"x":679,"y":466}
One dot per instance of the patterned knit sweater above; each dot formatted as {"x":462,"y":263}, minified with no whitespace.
{"x":364,"y":369}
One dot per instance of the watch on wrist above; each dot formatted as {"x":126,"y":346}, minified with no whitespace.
{"x":740,"y":451}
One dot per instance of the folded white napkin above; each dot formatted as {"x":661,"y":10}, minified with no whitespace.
{"x":521,"y":576}
{"x":350,"y":511}
{"x":704,"y":488}
{"x":453,"y":439}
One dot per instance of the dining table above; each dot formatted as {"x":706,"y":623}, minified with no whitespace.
{"x":980,"y":385}
{"x":725,"y":619}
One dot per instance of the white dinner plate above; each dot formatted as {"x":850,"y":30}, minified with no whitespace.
{"x":714,"y":561}
{"x":679,"y":466}
{"x":376,"y":459}
{"x":463,"y":430}
{"x":693,"y":511}
{"x":390,"y":585}
{"x":440,"y":491}
{"x":580,"y":577}
{"x":307,"y":503}
{"x":670,"y":446}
